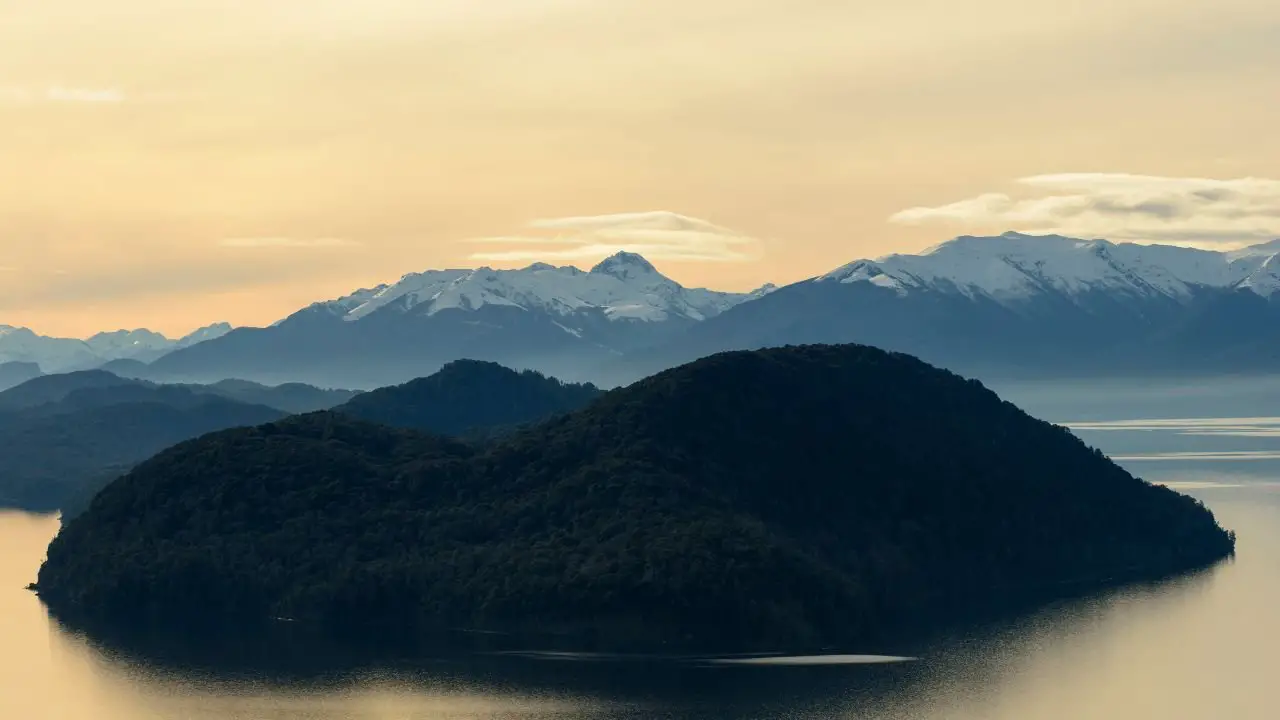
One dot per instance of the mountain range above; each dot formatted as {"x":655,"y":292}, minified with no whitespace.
{"x":57,"y":355}
{"x":1008,"y":306}
{"x":1018,"y":305}
{"x":64,"y":436}
{"x":561,"y":320}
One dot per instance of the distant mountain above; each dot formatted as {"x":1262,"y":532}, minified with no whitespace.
{"x":289,"y":397}
{"x":52,"y":354}
{"x":54,"y":389}
{"x":204,"y":334}
{"x":138,"y":344}
{"x":1021,"y":306}
{"x":560,"y":320}
{"x":64,"y":436}
{"x":785,"y":500}
{"x":468,"y":397}
{"x":127,"y":368}
{"x":49,"y":389}
{"x":1012,"y":306}
{"x":16,"y":373}
{"x":92,"y":429}
{"x":66,"y":354}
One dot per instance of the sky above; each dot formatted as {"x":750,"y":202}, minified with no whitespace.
{"x":170,"y":164}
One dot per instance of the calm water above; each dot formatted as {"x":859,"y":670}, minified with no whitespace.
{"x":1202,"y":646}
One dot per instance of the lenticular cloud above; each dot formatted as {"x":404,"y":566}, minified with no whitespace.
{"x":1141,"y":208}
{"x":656,"y":235}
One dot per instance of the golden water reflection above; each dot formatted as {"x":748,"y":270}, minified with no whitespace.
{"x":1198,"y":647}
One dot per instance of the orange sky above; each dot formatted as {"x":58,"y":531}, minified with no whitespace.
{"x":170,"y":164}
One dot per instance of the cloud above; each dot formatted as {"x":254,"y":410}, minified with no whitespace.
{"x":287,"y":242}
{"x":1118,"y":206}
{"x":656,"y":235}
{"x":59,"y":94}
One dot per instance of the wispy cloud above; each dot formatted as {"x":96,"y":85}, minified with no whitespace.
{"x":1142,"y":208}
{"x":657,"y":235}
{"x":287,"y":242}
{"x":60,"y":94}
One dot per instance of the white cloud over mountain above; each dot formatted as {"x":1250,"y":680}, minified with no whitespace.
{"x":1117,"y":206}
{"x":657,"y":235}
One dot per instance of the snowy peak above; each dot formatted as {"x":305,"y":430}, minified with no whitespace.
{"x":1265,"y":280}
{"x":56,"y":354}
{"x":624,"y":286}
{"x":626,"y":266}
{"x":208,"y":332}
{"x":1013,"y":267}
{"x":123,"y":343}
{"x":145,"y":344}
{"x":1266,"y":250}
{"x":19,"y":344}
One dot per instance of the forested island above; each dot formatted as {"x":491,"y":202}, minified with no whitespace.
{"x":781,"y":498}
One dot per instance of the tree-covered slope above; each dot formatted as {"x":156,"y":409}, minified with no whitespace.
{"x":56,"y":452}
{"x":469,"y":396}
{"x":787,"y":496}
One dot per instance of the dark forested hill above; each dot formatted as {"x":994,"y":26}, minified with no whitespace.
{"x":289,"y":397}
{"x":58,"y":451}
{"x":784,"y":497}
{"x":53,"y":389}
{"x":469,"y":396}
{"x":62,"y":437}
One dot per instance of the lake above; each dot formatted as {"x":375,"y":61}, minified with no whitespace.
{"x":1200,"y":646}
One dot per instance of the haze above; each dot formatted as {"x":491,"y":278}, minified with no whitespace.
{"x":170,"y":164}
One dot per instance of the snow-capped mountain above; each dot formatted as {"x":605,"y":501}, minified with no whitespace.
{"x":54,"y":354}
{"x":994,"y":307}
{"x":19,"y":344}
{"x":127,"y":344}
{"x":1022,"y":305}
{"x":624,"y":286}
{"x":559,"y":319}
{"x":1014,"y":267}
{"x":204,"y":334}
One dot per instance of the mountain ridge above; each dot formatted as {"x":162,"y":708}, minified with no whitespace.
{"x":1019,"y":306}
{"x":559,"y":320}
{"x":1015,"y":265}
{"x":1012,"y":305}
{"x":64,"y":436}
{"x":58,"y":354}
